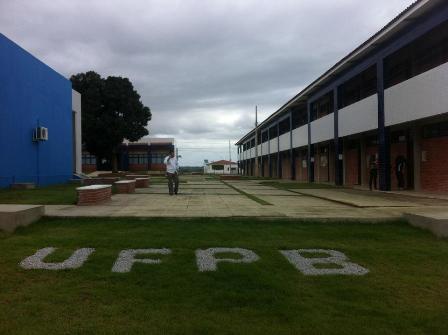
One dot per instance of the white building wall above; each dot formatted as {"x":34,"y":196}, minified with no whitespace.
{"x":285,"y":141}
{"x":300,"y":136}
{"x":265,"y":148}
{"x":274,"y":145}
{"x":259,"y":150}
{"x":322,"y":129}
{"x":422,"y":96}
{"x":252,"y":153}
{"x":76,"y":108}
{"x":359,"y":117}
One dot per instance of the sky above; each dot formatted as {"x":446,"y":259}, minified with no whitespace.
{"x":201,"y":66}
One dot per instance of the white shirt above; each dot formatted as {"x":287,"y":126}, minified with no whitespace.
{"x":171,"y":164}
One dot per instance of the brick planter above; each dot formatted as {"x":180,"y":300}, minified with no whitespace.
{"x":125,"y":186}
{"x":135,"y":176}
{"x":93,"y":194}
{"x":100,"y":181}
{"x":142,"y":182}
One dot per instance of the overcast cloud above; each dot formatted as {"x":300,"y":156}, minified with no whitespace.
{"x":201,"y":66}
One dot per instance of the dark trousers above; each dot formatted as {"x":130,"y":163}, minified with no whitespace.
{"x":373,"y":179}
{"x":173,"y":182}
{"x":400,"y":179}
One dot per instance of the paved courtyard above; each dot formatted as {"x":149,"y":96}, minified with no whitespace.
{"x":204,"y":197}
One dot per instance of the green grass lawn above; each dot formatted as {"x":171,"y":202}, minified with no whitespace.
{"x":48,"y":195}
{"x":405,"y":291}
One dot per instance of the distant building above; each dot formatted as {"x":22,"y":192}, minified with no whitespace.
{"x":221,"y":167}
{"x":40,"y":120}
{"x":145,"y":155}
{"x":384,"y":102}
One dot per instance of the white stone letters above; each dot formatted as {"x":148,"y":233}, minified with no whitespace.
{"x":75,"y":261}
{"x":206,"y":261}
{"x":332,"y":262}
{"x":306,"y":265}
{"x":126,"y":258}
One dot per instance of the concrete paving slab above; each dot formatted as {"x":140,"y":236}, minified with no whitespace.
{"x":190,"y":186}
{"x":354,"y":199}
{"x":273,"y":191}
{"x":206,"y":200}
{"x":227,"y":191}
{"x":295,"y":202}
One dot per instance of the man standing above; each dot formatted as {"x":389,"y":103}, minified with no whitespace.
{"x":400,"y":164}
{"x":373,"y":171}
{"x":172,"y":168}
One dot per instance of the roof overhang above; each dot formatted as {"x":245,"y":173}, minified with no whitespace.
{"x":400,"y":22}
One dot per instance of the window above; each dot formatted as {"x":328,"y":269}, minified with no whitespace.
{"x":264,"y":136}
{"x":322,"y":107}
{"x":423,"y":54}
{"x":157,"y":158}
{"x":435,"y":130}
{"x":284,"y":126}
{"x":273,"y":132}
{"x":357,"y":88}
{"x":398,"y":137}
{"x":88,"y":159}
{"x":299,"y":116}
{"x":252,"y":143}
{"x":138,"y":158}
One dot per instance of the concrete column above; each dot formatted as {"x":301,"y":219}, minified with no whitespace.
{"x":364,"y":179}
{"x":291,"y":151}
{"x":344,"y":160}
{"x":269,"y":155}
{"x":417,"y":155}
{"x":279,"y":163}
{"x":310,"y":157}
{"x":338,"y":162}
{"x":77,"y":136}
{"x":383,"y":134}
{"x":317,"y":162}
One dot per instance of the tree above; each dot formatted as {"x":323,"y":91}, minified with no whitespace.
{"x":111,"y":112}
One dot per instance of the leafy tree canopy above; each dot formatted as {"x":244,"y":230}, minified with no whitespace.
{"x":111,"y":112}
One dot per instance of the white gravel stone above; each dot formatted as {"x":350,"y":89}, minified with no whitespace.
{"x":75,"y":261}
{"x":306,"y":264}
{"x":206,"y":261}
{"x":126,"y":258}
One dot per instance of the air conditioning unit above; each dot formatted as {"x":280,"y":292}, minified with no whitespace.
{"x":40,"y":134}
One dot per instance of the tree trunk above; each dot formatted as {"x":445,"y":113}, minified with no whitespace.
{"x":114,"y":161}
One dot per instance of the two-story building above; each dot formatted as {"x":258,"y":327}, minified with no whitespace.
{"x":386,"y":100}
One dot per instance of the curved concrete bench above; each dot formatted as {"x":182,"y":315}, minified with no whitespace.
{"x":125,"y":186}
{"x":141,"y":182}
{"x":12,"y":216}
{"x":93,"y":194}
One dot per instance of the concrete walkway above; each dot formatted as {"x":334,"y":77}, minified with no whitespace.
{"x":202,"y":197}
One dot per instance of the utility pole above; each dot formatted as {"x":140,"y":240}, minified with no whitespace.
{"x":230,"y":159}
{"x":256,"y":172}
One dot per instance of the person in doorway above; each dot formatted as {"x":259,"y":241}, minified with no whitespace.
{"x":400,"y":164}
{"x":373,"y":172}
{"x":172,"y":172}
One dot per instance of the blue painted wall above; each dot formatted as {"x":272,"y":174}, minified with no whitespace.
{"x":32,"y":93}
